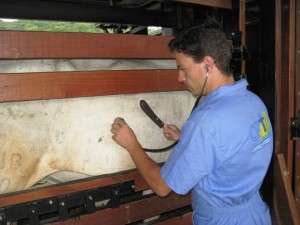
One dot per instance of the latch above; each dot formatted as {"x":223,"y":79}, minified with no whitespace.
{"x":239,"y":54}
{"x":295,"y":128}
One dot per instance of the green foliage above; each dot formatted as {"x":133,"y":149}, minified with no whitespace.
{"x":55,"y":26}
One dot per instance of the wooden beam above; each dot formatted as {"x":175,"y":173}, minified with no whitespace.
{"x":56,"y":85}
{"x":35,"y":194}
{"x":284,"y":201}
{"x":213,"y":3}
{"x":296,"y":175}
{"x":242,"y":28}
{"x":56,"y":45}
{"x":285,"y":80}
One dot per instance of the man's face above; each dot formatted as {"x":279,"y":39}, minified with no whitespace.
{"x":192,"y":74}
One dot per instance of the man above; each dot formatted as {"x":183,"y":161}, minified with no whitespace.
{"x":225,"y":146}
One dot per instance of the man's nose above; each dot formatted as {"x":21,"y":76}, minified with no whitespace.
{"x":181,"y":76}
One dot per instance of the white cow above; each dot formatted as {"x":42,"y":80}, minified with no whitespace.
{"x":40,"y":138}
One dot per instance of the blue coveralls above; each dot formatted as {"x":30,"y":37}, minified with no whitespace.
{"x":223,"y":155}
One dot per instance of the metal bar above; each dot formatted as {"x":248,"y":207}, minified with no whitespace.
{"x":84,"y":12}
{"x":213,"y":3}
{"x":63,"y":207}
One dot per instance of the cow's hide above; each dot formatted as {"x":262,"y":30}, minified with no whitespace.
{"x":39,"y":138}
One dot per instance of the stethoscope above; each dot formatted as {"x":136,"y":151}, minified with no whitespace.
{"x":146,"y":108}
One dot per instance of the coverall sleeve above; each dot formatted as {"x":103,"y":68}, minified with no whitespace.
{"x":195,"y":156}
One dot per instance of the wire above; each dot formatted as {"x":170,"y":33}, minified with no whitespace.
{"x":175,"y":143}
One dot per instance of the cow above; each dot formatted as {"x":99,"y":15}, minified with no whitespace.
{"x":41,"y":138}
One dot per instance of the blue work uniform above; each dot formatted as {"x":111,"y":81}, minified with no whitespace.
{"x":223,"y":154}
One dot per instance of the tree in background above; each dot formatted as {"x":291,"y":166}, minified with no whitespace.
{"x":55,"y":26}
{"x":60,"y":26}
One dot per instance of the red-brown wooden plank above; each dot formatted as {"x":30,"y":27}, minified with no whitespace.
{"x":58,"y":45}
{"x":284,"y":201}
{"x":72,"y":187}
{"x":55,"y":85}
{"x":132,"y":212}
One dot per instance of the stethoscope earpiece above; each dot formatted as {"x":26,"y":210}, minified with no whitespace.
{"x":206,"y":67}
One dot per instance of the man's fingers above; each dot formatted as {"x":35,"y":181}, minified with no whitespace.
{"x":119,"y":120}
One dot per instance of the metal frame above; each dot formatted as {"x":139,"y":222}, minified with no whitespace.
{"x":64,"y":207}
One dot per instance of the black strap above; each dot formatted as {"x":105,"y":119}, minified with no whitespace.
{"x":175,"y":143}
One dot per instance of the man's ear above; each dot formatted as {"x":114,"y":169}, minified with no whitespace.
{"x":209,"y":61}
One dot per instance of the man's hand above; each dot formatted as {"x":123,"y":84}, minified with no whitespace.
{"x":123,"y":134}
{"x":149,"y":169}
{"x":171,"y":132}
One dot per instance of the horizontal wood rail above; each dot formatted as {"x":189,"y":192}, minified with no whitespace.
{"x":56,"y":45}
{"x":56,"y":85}
{"x":72,"y":187}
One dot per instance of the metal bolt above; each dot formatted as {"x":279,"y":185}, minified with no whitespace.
{"x":116,"y":192}
{"x":90,"y":197}
{"x":297,"y":177}
{"x":285,"y":173}
{"x":50,"y":202}
{"x":33,"y":211}
{"x":1,"y":218}
{"x":62,"y":203}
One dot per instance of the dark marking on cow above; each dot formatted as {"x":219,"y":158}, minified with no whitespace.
{"x":4,"y":184}
{"x":2,"y":160}
{"x":16,"y":161}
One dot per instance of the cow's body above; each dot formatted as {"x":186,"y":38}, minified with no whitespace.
{"x":39,"y":138}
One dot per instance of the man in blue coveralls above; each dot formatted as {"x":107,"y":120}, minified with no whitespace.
{"x":225,"y":146}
